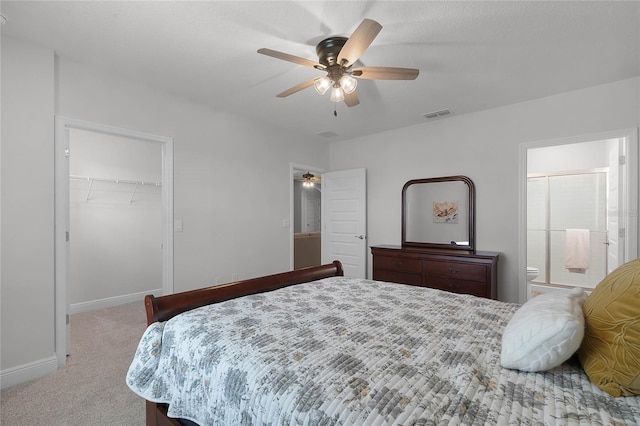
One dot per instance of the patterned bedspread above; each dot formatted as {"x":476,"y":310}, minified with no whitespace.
{"x":343,"y":351}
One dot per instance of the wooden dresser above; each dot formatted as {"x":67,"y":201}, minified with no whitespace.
{"x":456,"y":271}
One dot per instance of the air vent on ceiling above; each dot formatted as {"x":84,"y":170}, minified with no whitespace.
{"x":436,"y":114}
{"x":327,"y":134}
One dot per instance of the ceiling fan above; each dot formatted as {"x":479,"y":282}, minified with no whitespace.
{"x":336,"y":56}
{"x":308,"y":180}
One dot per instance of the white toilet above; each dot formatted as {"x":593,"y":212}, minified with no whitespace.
{"x":532,"y":273}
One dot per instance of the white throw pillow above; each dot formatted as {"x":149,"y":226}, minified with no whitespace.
{"x":544,"y":332}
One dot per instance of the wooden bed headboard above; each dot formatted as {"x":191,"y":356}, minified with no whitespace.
{"x":163,"y":308}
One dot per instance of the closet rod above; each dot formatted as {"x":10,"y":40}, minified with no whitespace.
{"x":91,"y":179}
{"x":129,"y":181}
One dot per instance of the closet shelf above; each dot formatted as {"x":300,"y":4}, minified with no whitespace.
{"x":137,"y":183}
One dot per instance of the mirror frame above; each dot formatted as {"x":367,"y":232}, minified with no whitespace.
{"x":470,"y":213}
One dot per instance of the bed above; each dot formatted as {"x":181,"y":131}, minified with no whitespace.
{"x":312,"y":347}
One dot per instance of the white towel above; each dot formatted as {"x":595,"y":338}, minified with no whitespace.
{"x":576,"y":250}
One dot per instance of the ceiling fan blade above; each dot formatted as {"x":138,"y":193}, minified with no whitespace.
{"x":351,"y":99}
{"x":291,"y":58}
{"x":296,"y":88}
{"x":359,"y":41}
{"x":385,"y":73}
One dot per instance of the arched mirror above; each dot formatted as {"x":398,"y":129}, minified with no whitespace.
{"x":438,"y":213}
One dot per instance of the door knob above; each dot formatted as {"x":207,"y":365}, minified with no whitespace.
{"x":359,"y":236}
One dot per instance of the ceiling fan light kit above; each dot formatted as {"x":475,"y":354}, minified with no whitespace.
{"x":307,"y":180}
{"x":322,"y":84}
{"x":348,"y":83}
{"x":336,"y":94}
{"x":336,"y":56}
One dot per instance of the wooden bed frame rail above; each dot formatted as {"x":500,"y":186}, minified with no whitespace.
{"x":166,"y":307}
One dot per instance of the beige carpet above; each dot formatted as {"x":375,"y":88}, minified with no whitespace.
{"x":90,"y":389}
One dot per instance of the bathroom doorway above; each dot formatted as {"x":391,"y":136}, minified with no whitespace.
{"x":577,"y":186}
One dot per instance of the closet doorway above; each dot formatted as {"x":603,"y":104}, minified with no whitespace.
{"x":113,"y":219}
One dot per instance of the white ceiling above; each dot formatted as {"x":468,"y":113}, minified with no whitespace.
{"x":472,"y":55}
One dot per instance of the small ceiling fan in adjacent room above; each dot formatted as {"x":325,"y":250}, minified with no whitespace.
{"x":309,"y":180}
{"x":336,"y":56}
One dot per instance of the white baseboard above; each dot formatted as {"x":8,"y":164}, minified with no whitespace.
{"x":30,"y":371}
{"x":110,"y":302}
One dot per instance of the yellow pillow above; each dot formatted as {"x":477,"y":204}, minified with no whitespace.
{"x":610,"y":349}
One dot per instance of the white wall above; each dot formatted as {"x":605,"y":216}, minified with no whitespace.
{"x":232,"y":227}
{"x":576,"y":156}
{"x":27,"y":286}
{"x":485,"y":147}
{"x":116,"y":228}
{"x":231,"y":176}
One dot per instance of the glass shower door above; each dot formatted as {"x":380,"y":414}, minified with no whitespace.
{"x":557,"y":202}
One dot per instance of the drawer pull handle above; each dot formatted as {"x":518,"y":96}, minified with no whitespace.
{"x":454,"y":271}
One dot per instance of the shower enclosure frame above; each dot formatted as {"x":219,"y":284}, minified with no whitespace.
{"x":547,"y":217}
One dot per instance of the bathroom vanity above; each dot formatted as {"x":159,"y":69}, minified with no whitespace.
{"x":438,"y":241}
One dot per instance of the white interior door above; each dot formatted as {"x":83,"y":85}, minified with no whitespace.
{"x":614,"y":202}
{"x":344,"y":220}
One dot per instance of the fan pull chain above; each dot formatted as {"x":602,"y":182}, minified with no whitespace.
{"x":335,"y":113}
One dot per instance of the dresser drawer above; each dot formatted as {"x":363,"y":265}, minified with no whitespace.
{"x":397,"y":277}
{"x":401,"y":264}
{"x":458,"y":286}
{"x":458,"y":271}
{"x":450,"y":270}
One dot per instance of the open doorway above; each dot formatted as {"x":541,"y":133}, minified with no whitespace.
{"x":306,"y":235}
{"x":577,"y":222}
{"x":101,"y":187}
{"x":115,"y":220}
